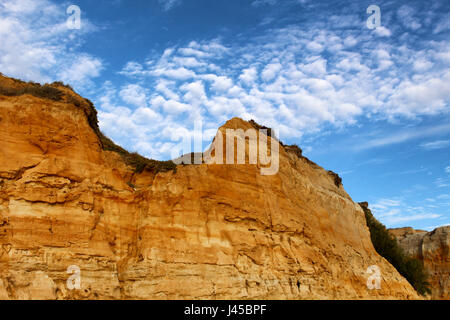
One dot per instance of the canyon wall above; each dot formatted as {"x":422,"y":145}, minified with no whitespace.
{"x":205,"y":231}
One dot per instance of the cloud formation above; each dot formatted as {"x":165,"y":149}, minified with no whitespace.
{"x":299,"y":80}
{"x":169,"y":4}
{"x":434,"y":145}
{"x":37,"y":45}
{"x":394,"y":212}
{"x":330,"y":72}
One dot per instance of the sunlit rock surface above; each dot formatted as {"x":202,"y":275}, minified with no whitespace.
{"x":203,"y":232}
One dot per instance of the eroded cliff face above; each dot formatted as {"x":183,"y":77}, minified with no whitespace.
{"x":200,"y":232}
{"x":433,"y":249}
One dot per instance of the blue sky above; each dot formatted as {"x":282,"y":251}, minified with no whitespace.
{"x":369,"y":104}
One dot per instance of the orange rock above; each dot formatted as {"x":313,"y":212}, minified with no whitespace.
{"x":203,"y":232}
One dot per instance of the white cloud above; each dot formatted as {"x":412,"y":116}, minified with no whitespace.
{"x":82,"y":70}
{"x":170,"y":106}
{"x":177,"y":73}
{"x":189,"y":62}
{"x":249,"y":76}
{"x":382,"y":31}
{"x":442,"y":182}
{"x":434,"y":145}
{"x":219,"y":83}
{"x":350,"y":41}
{"x":134,"y":94}
{"x":146,"y":116}
{"x":133,"y":68}
{"x":314,"y":46}
{"x":425,"y":95}
{"x":258,"y":3}
{"x":410,"y":218}
{"x":352,"y":63}
{"x":194,"y":92}
{"x":37,"y":45}
{"x":270,"y":71}
{"x":405,"y":135}
{"x":422,"y":65}
{"x":166,"y":87}
{"x":407,"y":15}
{"x":193,"y":52}
{"x":169,"y":4}
{"x":443,"y":24}
{"x":383,"y":204}
{"x":285,"y":80}
{"x":316,"y":68}
{"x":393,"y":212}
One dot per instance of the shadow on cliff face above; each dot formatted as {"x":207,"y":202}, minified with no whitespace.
{"x":386,"y":246}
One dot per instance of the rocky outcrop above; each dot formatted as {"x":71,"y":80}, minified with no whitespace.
{"x":205,"y":231}
{"x":433,"y":249}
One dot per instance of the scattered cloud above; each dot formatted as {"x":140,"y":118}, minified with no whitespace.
{"x":406,"y":135}
{"x":285,"y":73}
{"x":382,"y":31}
{"x":408,"y":172}
{"x":394,"y":212}
{"x":407,"y":16}
{"x":395,"y":220}
{"x":258,"y":3}
{"x":169,"y":4}
{"x":82,"y":70}
{"x":375,"y":161}
{"x":134,"y":95}
{"x":38,"y":46}
{"x":434,"y":145}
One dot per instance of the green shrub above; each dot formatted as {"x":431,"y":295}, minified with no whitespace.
{"x":41,"y":91}
{"x":386,"y":246}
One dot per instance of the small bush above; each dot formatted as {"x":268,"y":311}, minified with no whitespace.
{"x":387,"y":246}
{"x":46,"y":91}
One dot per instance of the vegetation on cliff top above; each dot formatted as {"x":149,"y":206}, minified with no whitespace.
{"x":135,"y":160}
{"x":46,"y":91}
{"x":386,"y":246}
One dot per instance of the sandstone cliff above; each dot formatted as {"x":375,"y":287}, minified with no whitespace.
{"x":200,"y":231}
{"x":433,"y":249}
